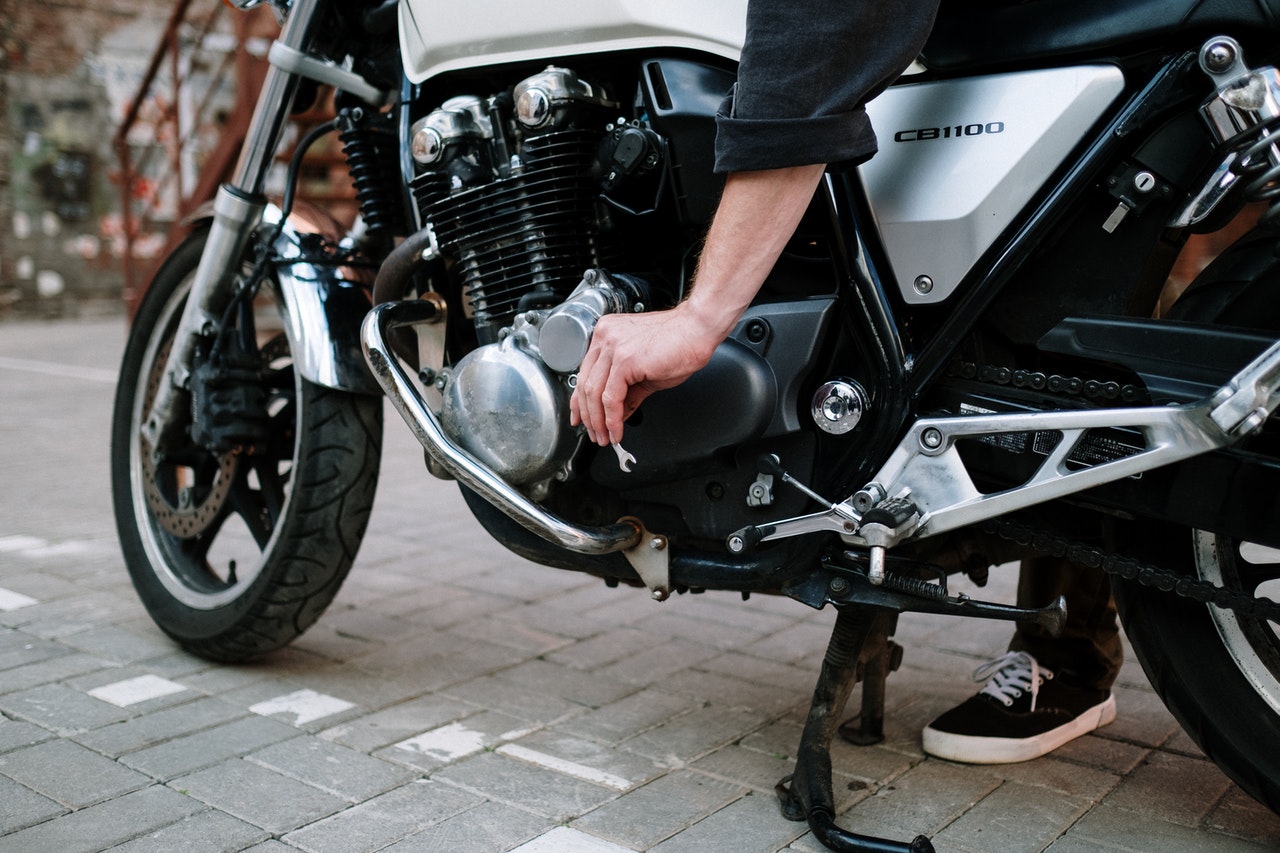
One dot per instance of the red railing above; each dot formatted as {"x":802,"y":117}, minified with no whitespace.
{"x":184,"y":128}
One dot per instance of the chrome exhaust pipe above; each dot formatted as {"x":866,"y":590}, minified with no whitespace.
{"x":375,"y":334}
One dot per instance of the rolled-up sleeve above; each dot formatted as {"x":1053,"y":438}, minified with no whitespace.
{"x":807,"y":71}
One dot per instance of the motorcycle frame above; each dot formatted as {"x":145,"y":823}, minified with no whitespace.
{"x":914,"y":453}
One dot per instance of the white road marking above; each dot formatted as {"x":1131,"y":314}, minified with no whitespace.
{"x":49,"y":368}
{"x":561,"y":765}
{"x":306,"y":706}
{"x":134,"y":690}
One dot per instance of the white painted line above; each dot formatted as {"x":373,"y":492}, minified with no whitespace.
{"x":446,"y":743}
{"x":561,"y":765}
{"x":562,"y":839}
{"x":21,"y":543}
{"x":49,"y":368}
{"x":10,"y":600}
{"x":306,"y":706}
{"x":74,"y":548}
{"x":134,"y":690}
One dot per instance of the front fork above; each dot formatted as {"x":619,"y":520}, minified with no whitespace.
{"x":237,"y":211}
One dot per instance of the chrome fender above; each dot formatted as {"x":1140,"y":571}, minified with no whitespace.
{"x":323,"y":305}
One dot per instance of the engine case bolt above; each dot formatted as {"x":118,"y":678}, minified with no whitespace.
{"x":838,"y":406}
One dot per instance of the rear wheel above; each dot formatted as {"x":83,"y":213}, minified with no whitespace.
{"x":1219,"y":671}
{"x":236,"y":553}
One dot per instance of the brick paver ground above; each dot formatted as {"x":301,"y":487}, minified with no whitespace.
{"x":456,"y":698}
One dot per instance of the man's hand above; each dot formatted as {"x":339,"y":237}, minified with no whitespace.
{"x":631,"y":356}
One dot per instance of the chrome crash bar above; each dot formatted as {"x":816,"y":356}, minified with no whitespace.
{"x":412,"y":405}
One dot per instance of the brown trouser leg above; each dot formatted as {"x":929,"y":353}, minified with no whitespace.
{"x":1088,"y":653}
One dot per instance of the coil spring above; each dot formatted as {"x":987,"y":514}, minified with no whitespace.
{"x":371,"y":159}
{"x":915,"y":586}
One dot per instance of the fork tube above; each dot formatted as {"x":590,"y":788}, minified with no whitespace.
{"x":237,"y":210}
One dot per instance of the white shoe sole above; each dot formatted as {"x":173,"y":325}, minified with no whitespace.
{"x":969,"y":749}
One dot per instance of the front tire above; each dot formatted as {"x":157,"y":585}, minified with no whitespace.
{"x":237,"y":554}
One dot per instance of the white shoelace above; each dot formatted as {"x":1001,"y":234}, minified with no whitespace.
{"x":1010,"y":675}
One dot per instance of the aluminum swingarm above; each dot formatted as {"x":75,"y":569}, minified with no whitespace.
{"x":924,"y":487}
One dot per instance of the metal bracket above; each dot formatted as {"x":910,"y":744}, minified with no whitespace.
{"x":651,"y":559}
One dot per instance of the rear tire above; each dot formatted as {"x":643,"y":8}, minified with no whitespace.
{"x":1216,"y":671}
{"x":1219,"y":672}
{"x":235,"y":555}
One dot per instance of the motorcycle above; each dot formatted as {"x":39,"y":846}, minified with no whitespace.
{"x":964,"y":348}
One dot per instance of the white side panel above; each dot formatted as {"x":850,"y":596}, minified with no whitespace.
{"x":959,"y":159}
{"x":437,"y":37}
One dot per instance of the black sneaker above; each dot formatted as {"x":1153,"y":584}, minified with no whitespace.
{"x":1021,"y":713}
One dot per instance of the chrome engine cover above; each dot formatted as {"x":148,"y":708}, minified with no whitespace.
{"x":505,"y":408}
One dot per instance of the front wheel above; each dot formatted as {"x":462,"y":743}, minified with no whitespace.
{"x":1217,"y":671}
{"x":236,"y":553}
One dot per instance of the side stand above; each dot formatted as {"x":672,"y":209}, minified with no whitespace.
{"x":807,"y":794}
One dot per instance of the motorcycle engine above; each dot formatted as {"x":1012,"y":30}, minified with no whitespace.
{"x":532,"y":193}
{"x":520,"y":189}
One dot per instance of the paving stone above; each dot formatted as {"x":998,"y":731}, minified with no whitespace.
{"x":396,"y":723}
{"x":1106,"y":828}
{"x":15,"y":734}
{"x":604,"y":648}
{"x":601,"y":758}
{"x":259,"y":796}
{"x":1140,"y":718}
{"x":69,"y":773}
{"x":106,"y":824}
{"x":1240,"y":815}
{"x":209,"y":831}
{"x":565,"y":840}
{"x":1015,"y":818}
{"x":51,"y":670}
{"x":585,"y":688}
{"x":645,"y":816}
{"x":484,"y":829}
{"x":385,"y":819}
{"x":335,"y":769}
{"x":1104,"y":752}
{"x":926,"y":798}
{"x":629,"y":716}
{"x":756,"y":670}
{"x":207,"y":747}
{"x":731,"y":692}
{"x":159,"y":726}
{"x":688,"y":737}
{"x":436,"y":748}
{"x":801,"y":643}
{"x":526,"y":786}
{"x":117,"y":644}
{"x":60,"y":708}
{"x":21,"y":807}
{"x":497,"y":694}
{"x":1173,"y":788}
{"x":19,"y":649}
{"x":437,"y":660}
{"x":657,"y":665}
{"x":752,"y":824}
{"x":1065,"y":777}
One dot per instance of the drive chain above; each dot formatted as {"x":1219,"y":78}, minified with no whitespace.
{"x":1203,"y":591}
